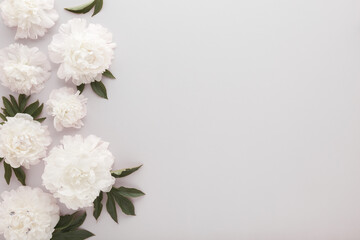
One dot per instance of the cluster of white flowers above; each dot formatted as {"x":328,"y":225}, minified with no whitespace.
{"x":67,"y":107}
{"x":23,"y":141}
{"x":80,"y":168}
{"x":32,"y":18}
{"x":83,"y":52}
{"x":76,"y":171}
{"x":23,"y":70}
{"x":28,"y":213}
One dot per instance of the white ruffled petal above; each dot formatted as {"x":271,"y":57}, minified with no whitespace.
{"x":84,"y":52}
{"x":23,"y":141}
{"x":67,"y":107}
{"x":23,"y":70}
{"x":76,"y":171}
{"x":27,"y":213}
{"x":32,"y":18}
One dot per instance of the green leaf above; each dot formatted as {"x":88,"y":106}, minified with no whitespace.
{"x":129,"y":192}
{"x":14,"y":104}
{"x":37,"y":111}
{"x":74,"y":235}
{"x":108,"y":74}
{"x":125,"y":204}
{"x":20,"y":175}
{"x":81,"y":88}
{"x":110,"y":207}
{"x":8,"y":172}
{"x":32,"y":108}
{"x":70,"y":222}
{"x":84,"y":8}
{"x":99,"y":89}
{"x":1,"y":159}
{"x":2,"y":116}
{"x":98,"y":206}
{"x":98,"y":7}
{"x":76,"y":222}
{"x":40,"y":119}
{"x":23,"y":100}
{"x":64,"y":222}
{"x":8,"y":106}
{"x":5,"y":112}
{"x":124,"y":172}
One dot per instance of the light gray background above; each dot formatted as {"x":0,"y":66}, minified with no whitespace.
{"x":245,"y":114}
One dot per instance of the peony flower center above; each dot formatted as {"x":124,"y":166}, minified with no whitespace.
{"x":79,"y":178}
{"x":21,"y":220}
{"x":68,"y":110}
{"x":84,"y":55}
{"x":83,"y":58}
{"x":22,"y":143}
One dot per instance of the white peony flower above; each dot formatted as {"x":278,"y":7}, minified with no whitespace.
{"x":31,"y":17}
{"x":28,"y":214}
{"x":23,"y":141}
{"x":67,"y":107}
{"x":76,"y":171}
{"x":83,"y":52}
{"x":23,"y":70}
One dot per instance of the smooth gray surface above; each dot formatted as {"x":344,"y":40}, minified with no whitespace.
{"x":245,"y":114}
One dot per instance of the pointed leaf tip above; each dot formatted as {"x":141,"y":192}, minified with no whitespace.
{"x":99,"y":88}
{"x":129,"y":192}
{"x":98,"y":6}
{"x":81,"y":88}
{"x":20,"y":175}
{"x":124,"y":172}
{"x":8,"y":172}
{"x":8,"y":106}
{"x":108,"y":74}
{"x":111,"y":207}
{"x":98,"y":206}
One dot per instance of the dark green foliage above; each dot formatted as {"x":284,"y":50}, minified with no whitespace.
{"x":85,"y":8}
{"x":124,"y":172}
{"x":99,"y":88}
{"x":12,"y":107}
{"x":68,"y":228}
{"x":81,"y":88}
{"x":118,"y":196}
{"x":98,"y":206}
{"x":108,"y":74}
